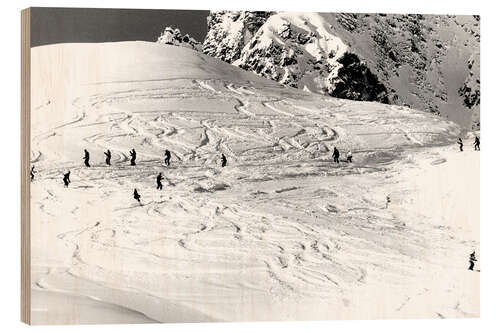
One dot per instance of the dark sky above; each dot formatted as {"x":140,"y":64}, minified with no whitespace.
{"x":65,"y":25}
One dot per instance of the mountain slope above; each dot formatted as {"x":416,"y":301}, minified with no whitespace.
{"x":280,"y":233}
{"x":415,"y":60}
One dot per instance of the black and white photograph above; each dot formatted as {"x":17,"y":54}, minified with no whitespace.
{"x":237,"y":166}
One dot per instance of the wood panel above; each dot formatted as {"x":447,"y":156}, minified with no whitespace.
{"x":25,"y":168}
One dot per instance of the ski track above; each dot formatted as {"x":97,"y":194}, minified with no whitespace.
{"x":302,"y":236}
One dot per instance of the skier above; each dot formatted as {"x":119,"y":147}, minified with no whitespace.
{"x":167,"y":157}
{"x":108,"y":157}
{"x":32,"y":172}
{"x":336,"y":155}
{"x":223,"y":160}
{"x":472,"y":259}
{"x":137,"y":196}
{"x":86,"y":158}
{"x":476,"y":143}
{"x":66,"y":179}
{"x":460,"y":144}
{"x":133,"y":155}
{"x":349,"y":157}
{"x":159,"y":185}
{"x":387,"y":201}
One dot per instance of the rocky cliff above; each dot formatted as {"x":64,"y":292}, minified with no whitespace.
{"x":428,"y":62}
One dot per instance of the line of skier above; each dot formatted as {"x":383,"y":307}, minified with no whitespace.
{"x":107,"y":153}
{"x":168,"y":155}
{"x":133,"y":157}
{"x":159,"y":177}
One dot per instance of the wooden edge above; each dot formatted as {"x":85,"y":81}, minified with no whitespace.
{"x":25,"y":166}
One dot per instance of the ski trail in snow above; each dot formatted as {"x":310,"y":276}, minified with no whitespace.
{"x":408,"y":134}
{"x":268,"y":104}
{"x":206,"y":86}
{"x":242,"y":90}
{"x":230,"y":88}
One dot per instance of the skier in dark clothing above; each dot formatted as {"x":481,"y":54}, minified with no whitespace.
{"x":476,"y":143}
{"x":133,"y":155}
{"x":159,"y":178}
{"x":32,"y":173}
{"x":137,"y":196}
{"x":223,"y":160}
{"x":472,"y":259}
{"x":66,"y":179}
{"x":86,"y":158}
{"x":167,"y":157}
{"x":460,"y":144}
{"x":108,"y":157}
{"x":336,"y":155}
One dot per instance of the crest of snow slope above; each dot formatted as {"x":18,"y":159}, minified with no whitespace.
{"x":280,"y":233}
{"x":173,"y":36}
{"x":415,"y":60}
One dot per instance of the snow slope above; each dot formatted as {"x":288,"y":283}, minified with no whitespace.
{"x":421,"y":61}
{"x":281,"y":233}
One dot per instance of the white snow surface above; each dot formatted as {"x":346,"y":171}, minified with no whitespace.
{"x":281,"y":233}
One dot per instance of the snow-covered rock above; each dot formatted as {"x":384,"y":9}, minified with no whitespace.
{"x":229,"y":31}
{"x":173,"y":36}
{"x":471,"y":90}
{"x":420,"y":61}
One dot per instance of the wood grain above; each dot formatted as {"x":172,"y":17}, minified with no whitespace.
{"x":25,"y":168}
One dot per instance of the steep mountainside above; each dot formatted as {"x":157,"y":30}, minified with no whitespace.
{"x":229,"y":32}
{"x":428,"y":62}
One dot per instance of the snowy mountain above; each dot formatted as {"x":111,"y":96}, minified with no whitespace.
{"x":173,"y":36}
{"x":281,"y":232}
{"x":428,"y":62}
